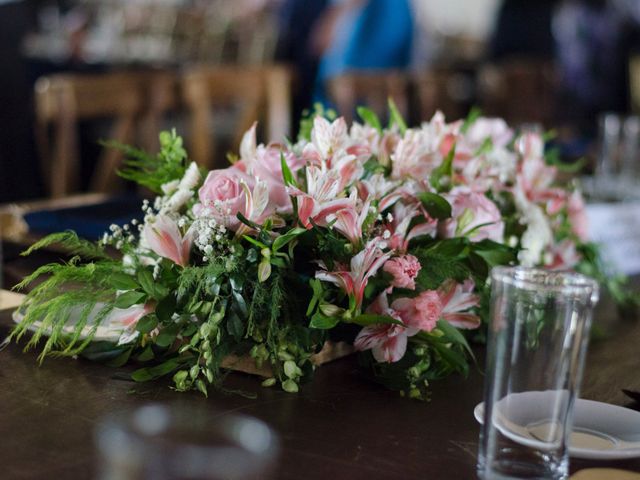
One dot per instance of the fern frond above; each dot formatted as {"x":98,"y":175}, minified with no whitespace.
{"x":70,"y":241}
{"x":153,"y":171}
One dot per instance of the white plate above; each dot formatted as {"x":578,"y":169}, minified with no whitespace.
{"x":109,"y":329}
{"x":601,"y":431}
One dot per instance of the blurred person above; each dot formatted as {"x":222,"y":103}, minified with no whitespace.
{"x":591,"y":61}
{"x":362,"y":35}
{"x":523,"y":29}
{"x":18,"y":165}
{"x":297,"y":20}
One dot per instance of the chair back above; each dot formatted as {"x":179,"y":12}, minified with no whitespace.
{"x":520,"y":91}
{"x":62,"y":101}
{"x":372,"y":89}
{"x":255,"y":93}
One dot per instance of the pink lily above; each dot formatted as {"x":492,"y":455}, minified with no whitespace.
{"x":563,"y":256}
{"x":322,"y":197}
{"x":363,"y":266}
{"x":129,"y":317}
{"x":328,"y":138}
{"x":387,"y":341}
{"x":403,"y":213}
{"x":456,"y":298}
{"x":164,"y":238}
{"x":255,"y":206}
{"x":349,"y":222}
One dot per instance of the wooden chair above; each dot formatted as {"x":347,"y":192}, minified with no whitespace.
{"x":442,"y":89}
{"x":371,"y":89}
{"x":62,"y":101}
{"x":519,"y":90}
{"x":256,"y":93}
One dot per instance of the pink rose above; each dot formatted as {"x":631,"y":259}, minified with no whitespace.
{"x":470,"y":210}
{"x":421,"y":312}
{"x":404,"y":270}
{"x":222,"y":196}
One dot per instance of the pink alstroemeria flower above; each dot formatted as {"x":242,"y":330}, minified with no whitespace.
{"x":387,"y":341}
{"x":404,"y":270}
{"x":349,"y":221}
{"x":129,"y":317}
{"x":264,"y":162}
{"x":323,"y":197}
{"x":456,"y":298}
{"x":363,"y":266}
{"x":403,"y":214}
{"x":563,"y":256}
{"x":164,"y":238}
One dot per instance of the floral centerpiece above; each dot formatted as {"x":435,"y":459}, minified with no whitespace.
{"x":384,"y":236}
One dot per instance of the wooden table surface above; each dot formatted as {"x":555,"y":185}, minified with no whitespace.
{"x":339,"y":426}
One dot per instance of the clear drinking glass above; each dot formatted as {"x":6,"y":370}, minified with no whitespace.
{"x":538,"y":334}
{"x":168,"y":443}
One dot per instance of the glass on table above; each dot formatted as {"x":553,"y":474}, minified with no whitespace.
{"x":167,"y":443}
{"x":617,"y":170}
{"x":538,"y":333}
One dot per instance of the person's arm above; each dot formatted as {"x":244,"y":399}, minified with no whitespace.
{"x":325,"y":27}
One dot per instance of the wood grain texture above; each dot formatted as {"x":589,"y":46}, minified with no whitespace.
{"x":340,"y":425}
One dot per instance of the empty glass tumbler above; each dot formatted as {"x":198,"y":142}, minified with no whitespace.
{"x":168,"y":443}
{"x":538,"y":335}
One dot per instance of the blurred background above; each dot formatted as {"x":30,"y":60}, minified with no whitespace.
{"x":73,"y":72}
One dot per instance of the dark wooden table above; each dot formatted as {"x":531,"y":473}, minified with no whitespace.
{"x":339,"y":426}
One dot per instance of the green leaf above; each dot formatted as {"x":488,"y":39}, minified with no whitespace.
{"x":235,"y":325}
{"x":248,"y":222}
{"x":157,"y":371}
{"x":122,"y":281}
{"x":445,"y":170}
{"x":167,"y":335}
{"x":127,"y":299}
{"x":318,"y":294}
{"x":395,"y":117}
{"x":255,"y":242}
{"x":453,"y":334}
{"x":284,"y":239}
{"x":166,"y":308}
{"x":290,"y":386}
{"x":292,"y":370}
{"x":494,"y":253}
{"x":121,"y":359}
{"x":149,"y":285}
{"x":322,"y":322}
{"x":371,"y":318}
{"x":474,"y":114}
{"x":485,"y":147}
{"x":456,"y":360}
{"x":287,"y":176}
{"x":370,"y":117}
{"x":146,"y":355}
{"x":436,"y":205}
{"x":147,"y":323}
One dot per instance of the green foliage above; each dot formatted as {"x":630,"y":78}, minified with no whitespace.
{"x":395,"y":117}
{"x":473,"y":115}
{"x":66,"y":290}
{"x":369,"y":117}
{"x":153,"y":171}
{"x":71,"y":243}
{"x":436,"y":206}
